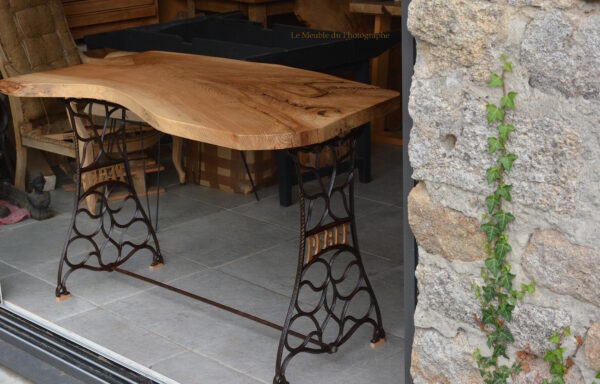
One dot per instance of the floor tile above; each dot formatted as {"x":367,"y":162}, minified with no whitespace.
{"x":34,"y":244}
{"x":97,"y":287}
{"x":121,"y":336}
{"x":269,"y":210}
{"x":237,"y":293}
{"x":205,"y":371}
{"x":222,"y":237}
{"x":388,"y":287}
{"x":6,"y":270}
{"x":174,"y":209}
{"x":381,"y":234}
{"x":175,"y":267}
{"x":275,"y":268}
{"x":38,"y":297}
{"x":220,"y":198}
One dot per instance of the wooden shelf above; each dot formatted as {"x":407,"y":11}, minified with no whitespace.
{"x":87,"y":17}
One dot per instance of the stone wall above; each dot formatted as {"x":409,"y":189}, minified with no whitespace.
{"x":555,"y":49}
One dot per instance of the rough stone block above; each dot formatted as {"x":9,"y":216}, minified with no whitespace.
{"x":442,"y":230}
{"x":436,"y":359}
{"x":562,"y":52}
{"x":592,"y":347}
{"x":563,"y":267}
{"x":464,"y":29}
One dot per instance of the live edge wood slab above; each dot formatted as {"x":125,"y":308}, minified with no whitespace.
{"x":230,"y":103}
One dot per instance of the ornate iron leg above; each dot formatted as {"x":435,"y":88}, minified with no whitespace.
{"x":332,"y":295}
{"x":96,"y":239}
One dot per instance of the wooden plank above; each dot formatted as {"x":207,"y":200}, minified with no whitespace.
{"x":393,"y":8}
{"x":332,"y":15}
{"x":371,"y":8}
{"x":219,"y":6}
{"x":236,"y":104}
{"x":111,"y":16}
{"x":280,"y":8}
{"x":37,"y":163}
{"x":258,"y":13}
{"x":81,"y":32}
{"x":86,"y":7}
{"x":49,"y":145}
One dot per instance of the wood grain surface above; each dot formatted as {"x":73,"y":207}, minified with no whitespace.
{"x":230,"y":103}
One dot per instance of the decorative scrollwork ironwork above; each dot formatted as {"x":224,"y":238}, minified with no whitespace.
{"x":332,"y":295}
{"x":106,"y":206}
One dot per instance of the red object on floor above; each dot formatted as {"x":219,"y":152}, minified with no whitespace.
{"x":16,"y":214}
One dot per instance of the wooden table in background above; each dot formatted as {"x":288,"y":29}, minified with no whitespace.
{"x":257,"y":10}
{"x":383,"y":12}
{"x":240,"y":105}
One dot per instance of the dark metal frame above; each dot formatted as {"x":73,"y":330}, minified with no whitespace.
{"x":338,"y":287}
{"x":109,"y":139}
{"x":410,"y":253}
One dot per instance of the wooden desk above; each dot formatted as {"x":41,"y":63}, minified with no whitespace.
{"x":257,"y":10}
{"x":240,"y":105}
{"x":383,"y":12}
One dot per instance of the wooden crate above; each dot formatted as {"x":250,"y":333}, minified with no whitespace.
{"x":223,"y":168}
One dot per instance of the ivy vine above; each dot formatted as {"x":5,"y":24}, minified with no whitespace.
{"x":497,"y":296}
{"x":560,"y":364}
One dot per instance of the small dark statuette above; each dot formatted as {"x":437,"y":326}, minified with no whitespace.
{"x":37,"y":202}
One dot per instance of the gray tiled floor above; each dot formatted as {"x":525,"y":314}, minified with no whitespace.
{"x":228,"y":248}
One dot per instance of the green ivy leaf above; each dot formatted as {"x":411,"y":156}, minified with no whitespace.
{"x":500,"y":350}
{"x":501,"y":248}
{"x":598,"y":375}
{"x":507,"y":67}
{"x":490,"y":230}
{"x":505,"y":130}
{"x":495,"y":144}
{"x":489,"y":293}
{"x":503,"y":219}
{"x":507,"y":161}
{"x":493,"y":265}
{"x":506,"y":310}
{"x":555,"y":338}
{"x":504,"y":191}
{"x":491,"y":202}
{"x":567,"y":331}
{"x":493,"y":174}
{"x":505,"y":281}
{"x":557,"y":369}
{"x":503,"y":335}
{"x":495,"y":81}
{"x":508,"y":101}
{"x":494,"y":113}
{"x":489,"y":316}
{"x":558,"y":380}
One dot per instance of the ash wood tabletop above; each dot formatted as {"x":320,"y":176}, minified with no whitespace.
{"x":230,"y":103}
